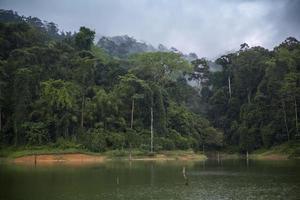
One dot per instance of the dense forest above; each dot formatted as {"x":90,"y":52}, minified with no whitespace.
{"x":60,"y":88}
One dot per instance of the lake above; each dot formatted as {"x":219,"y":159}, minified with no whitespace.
{"x":143,"y":180}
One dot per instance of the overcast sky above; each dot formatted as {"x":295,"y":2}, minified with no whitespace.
{"x":208,"y":28}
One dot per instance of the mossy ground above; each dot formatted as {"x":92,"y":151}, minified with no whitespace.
{"x":288,"y":150}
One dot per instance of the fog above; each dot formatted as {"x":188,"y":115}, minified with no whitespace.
{"x":208,"y":28}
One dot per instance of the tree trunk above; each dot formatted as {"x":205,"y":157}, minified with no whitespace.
{"x":247,"y":158}
{"x":132,"y":110}
{"x":82,"y":111}
{"x":35,"y":159}
{"x":296,"y":114}
{"x":249,"y":96}
{"x":0,"y":113}
{"x":184,"y":176}
{"x":0,"y":119}
{"x":285,"y":120}
{"x":130,"y":156}
{"x":151,"y":130}
{"x":229,"y":87}
{"x":67,"y":131}
{"x":16,"y":133}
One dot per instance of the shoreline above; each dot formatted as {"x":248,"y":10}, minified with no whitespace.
{"x":46,"y":154}
{"x":268,"y":155}
{"x":271,"y":156}
{"x":89,"y":158}
{"x":75,"y":158}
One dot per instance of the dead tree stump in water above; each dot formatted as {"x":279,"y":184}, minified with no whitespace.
{"x":184,"y":176}
{"x":34,"y":159}
{"x":247,"y":157}
{"x":130,"y":155}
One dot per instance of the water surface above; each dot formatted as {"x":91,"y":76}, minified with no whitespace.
{"x":143,"y":180}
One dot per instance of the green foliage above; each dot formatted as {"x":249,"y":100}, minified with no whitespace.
{"x":213,"y":137}
{"x":59,"y":88}
{"x":263,"y":107}
{"x":159,"y":67}
{"x":133,"y":139}
{"x":59,"y":94}
{"x":84,"y":38}
{"x":195,"y":128}
{"x":100,"y":54}
{"x":94,"y":140}
{"x":115,"y":140}
{"x":268,"y":134}
{"x":182,"y":143}
{"x":62,"y":143}
{"x":36,"y":133}
{"x":167,"y":144}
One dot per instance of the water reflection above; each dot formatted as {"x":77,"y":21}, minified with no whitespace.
{"x":212,"y":179}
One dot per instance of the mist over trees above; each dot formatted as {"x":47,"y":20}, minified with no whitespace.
{"x":60,"y":87}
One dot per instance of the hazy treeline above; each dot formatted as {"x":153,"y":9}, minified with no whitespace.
{"x":59,"y":88}
{"x":255,"y":98}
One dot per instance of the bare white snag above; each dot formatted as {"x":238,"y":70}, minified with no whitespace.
{"x":151,"y":130}
{"x":184,"y":176}
{"x":229,"y":87}
{"x":285,"y":120}
{"x":296,"y":115}
{"x":132,"y":110}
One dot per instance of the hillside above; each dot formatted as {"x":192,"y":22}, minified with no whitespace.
{"x":124,"y":46}
{"x":60,"y":89}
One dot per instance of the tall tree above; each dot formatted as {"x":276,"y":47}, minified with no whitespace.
{"x":84,"y":38}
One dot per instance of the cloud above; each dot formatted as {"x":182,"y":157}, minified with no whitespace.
{"x":209,"y":28}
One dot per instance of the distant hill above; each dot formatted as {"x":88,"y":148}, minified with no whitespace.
{"x":117,"y":46}
{"x":124,"y":46}
{"x":50,"y":28}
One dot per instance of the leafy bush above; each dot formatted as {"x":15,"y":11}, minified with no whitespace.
{"x":193,"y":143}
{"x":132,"y":139}
{"x":267,"y":133}
{"x":94,"y":140}
{"x":36,"y":133}
{"x":179,"y":141}
{"x":115,"y":140}
{"x":182,"y":143}
{"x":247,"y":138}
{"x":117,"y":153}
{"x":167,"y":144}
{"x":213,"y":137}
{"x":63,"y":143}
